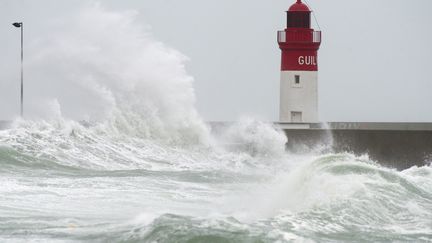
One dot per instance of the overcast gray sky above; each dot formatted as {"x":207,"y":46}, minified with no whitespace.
{"x":374,"y":61}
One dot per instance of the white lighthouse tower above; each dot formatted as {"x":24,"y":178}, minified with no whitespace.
{"x":299,"y":68}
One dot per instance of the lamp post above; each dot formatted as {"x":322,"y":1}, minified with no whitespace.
{"x":21,"y":26}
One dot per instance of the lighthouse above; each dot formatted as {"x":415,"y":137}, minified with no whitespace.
{"x":299,"y":44}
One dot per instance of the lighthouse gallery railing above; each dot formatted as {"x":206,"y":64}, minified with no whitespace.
{"x":293,"y":36}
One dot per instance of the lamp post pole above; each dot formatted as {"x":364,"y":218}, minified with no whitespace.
{"x":21,"y":26}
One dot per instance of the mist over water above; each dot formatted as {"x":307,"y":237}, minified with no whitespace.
{"x":104,"y":66}
{"x":144,"y":166}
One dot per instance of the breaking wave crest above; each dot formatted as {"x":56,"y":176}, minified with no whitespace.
{"x":113,"y":71}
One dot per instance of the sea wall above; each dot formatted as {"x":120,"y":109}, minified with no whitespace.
{"x":396,"y":147}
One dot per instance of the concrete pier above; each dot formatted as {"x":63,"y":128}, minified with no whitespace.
{"x":398,"y":145}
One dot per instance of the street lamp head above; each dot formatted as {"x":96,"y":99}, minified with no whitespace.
{"x":17,"y":24}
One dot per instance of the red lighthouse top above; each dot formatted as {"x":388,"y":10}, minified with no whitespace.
{"x":299,"y":42}
{"x":299,"y":7}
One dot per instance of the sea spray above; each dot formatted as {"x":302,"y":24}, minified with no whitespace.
{"x":253,"y":137}
{"x":104,"y":66}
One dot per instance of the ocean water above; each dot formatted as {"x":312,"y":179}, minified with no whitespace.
{"x":64,"y":182}
{"x":113,"y":150}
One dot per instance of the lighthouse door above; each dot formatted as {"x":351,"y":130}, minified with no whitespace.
{"x":296,"y":116}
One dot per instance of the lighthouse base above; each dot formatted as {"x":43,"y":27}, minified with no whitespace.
{"x":299,"y":97}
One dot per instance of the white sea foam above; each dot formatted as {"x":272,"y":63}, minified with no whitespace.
{"x":253,"y":137}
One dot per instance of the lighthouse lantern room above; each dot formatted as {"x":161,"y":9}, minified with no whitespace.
{"x":299,"y":68}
